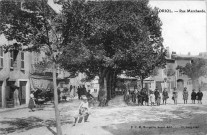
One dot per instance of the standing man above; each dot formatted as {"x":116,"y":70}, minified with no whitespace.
{"x":185,"y":95}
{"x":133,"y":97}
{"x":79,"y":92}
{"x":84,"y":90}
{"x":165,"y":96}
{"x":157,"y":96}
{"x":200,"y":96}
{"x":142,"y":96}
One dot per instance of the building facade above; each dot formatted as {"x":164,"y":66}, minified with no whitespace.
{"x":14,"y":71}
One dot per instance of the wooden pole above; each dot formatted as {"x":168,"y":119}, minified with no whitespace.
{"x":57,"y":113}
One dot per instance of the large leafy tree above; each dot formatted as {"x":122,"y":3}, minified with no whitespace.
{"x":197,"y":68}
{"x":108,"y":37}
{"x":34,"y":26}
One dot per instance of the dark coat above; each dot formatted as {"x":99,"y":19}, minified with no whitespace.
{"x":84,"y":92}
{"x":89,"y":96}
{"x":200,"y":95}
{"x":139,"y":96}
{"x":146,"y":98}
{"x":79,"y":91}
{"x":193,"y":96}
{"x":165,"y":95}
{"x":157,"y":94}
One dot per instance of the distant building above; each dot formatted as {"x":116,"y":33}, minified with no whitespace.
{"x":169,"y":77}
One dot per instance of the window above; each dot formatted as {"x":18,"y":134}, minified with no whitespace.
{"x":11,"y":60}
{"x":1,"y":57}
{"x":22,"y":60}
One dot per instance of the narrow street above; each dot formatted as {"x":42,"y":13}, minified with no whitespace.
{"x":116,"y":119}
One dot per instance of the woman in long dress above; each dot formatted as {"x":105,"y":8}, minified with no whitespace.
{"x":31,"y":101}
{"x":16,"y":97}
{"x":72,"y":92}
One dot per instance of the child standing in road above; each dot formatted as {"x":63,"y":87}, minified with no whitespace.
{"x":185,"y":95}
{"x":175,"y":96}
{"x":200,"y":96}
{"x":193,"y":96}
{"x":165,"y":96}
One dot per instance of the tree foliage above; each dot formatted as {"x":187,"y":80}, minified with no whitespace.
{"x":112,"y":34}
{"x":33,"y":26}
{"x":108,"y":37}
{"x":30,"y":24}
{"x":195,"y":69}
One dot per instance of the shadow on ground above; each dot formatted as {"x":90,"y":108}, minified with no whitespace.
{"x":22,"y":124}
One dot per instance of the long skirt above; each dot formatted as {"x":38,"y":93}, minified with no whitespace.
{"x":31,"y":104}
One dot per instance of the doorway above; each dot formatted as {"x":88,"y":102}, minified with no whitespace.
{"x":22,"y":92}
{"x":9,"y":94}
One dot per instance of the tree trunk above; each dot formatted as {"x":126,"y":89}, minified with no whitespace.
{"x":142,"y":81}
{"x":112,"y":85}
{"x":108,"y":81}
{"x":194,"y":84}
{"x":57,"y":113}
{"x":114,"y":75}
{"x":107,"y":84}
{"x":103,"y":88}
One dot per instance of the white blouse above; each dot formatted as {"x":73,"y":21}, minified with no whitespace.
{"x":84,"y":104}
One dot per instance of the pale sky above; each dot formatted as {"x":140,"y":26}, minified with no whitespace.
{"x":183,"y":32}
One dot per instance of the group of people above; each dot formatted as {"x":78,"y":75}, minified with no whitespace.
{"x":64,"y":92}
{"x":81,"y":90}
{"x":149,"y":97}
{"x":140,"y":97}
{"x":194,"y":96}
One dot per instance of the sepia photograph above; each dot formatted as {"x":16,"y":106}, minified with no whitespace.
{"x":103,"y":67}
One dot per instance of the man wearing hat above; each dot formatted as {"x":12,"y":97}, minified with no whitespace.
{"x":157,"y":96}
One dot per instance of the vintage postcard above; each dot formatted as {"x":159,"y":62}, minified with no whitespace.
{"x":109,"y":67}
